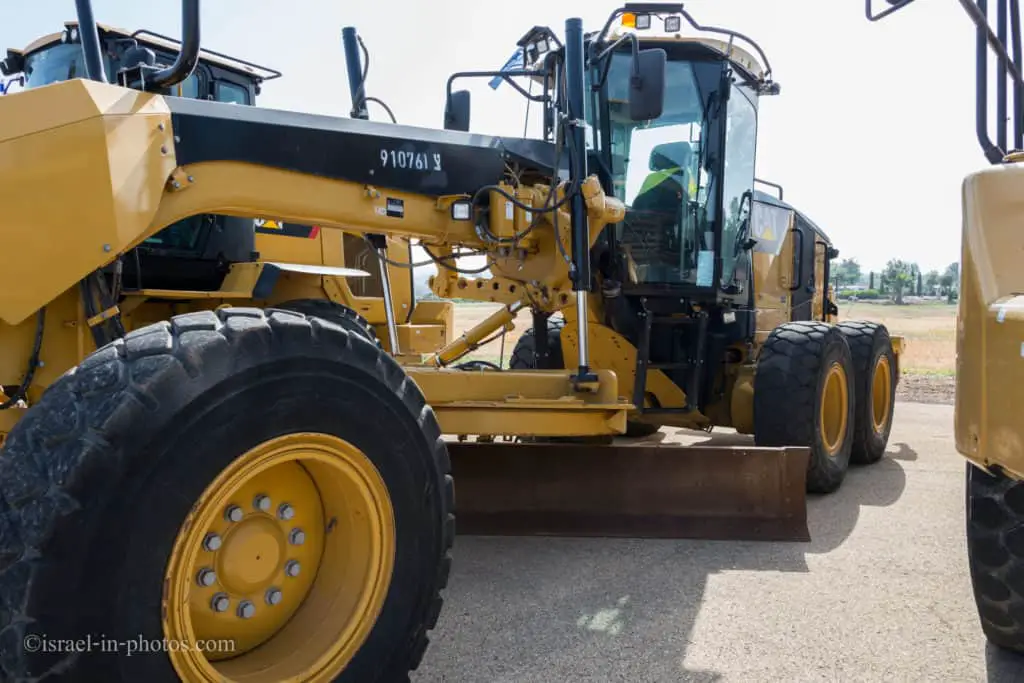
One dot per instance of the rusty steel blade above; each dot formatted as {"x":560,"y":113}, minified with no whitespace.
{"x":644,"y":491}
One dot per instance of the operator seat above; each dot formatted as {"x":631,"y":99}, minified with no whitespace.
{"x":656,"y":214}
{"x":665,"y":188}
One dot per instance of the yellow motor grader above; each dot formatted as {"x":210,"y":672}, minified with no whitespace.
{"x":229,"y":426}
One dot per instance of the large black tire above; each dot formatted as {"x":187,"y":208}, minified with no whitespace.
{"x":789,"y":387}
{"x":995,"y":552}
{"x":336,"y":313}
{"x":523,"y":358}
{"x":97,"y":478}
{"x":872,"y":352}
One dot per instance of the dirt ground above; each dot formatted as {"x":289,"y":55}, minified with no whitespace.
{"x":929,"y":329}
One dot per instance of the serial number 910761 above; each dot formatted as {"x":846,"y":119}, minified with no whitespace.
{"x":412,"y":161}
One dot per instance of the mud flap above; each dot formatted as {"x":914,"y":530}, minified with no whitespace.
{"x":642,"y":491}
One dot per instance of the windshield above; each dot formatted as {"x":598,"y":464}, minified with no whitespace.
{"x":669,"y":173}
{"x":740,"y":147}
{"x":61,"y":62}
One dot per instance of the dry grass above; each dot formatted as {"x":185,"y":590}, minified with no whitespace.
{"x":929,"y":330}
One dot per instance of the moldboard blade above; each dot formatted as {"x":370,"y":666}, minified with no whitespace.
{"x":643,"y":491}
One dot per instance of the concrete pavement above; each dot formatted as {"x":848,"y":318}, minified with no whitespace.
{"x":881,"y":593}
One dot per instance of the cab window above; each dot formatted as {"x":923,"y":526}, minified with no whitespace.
{"x":189,"y":87}
{"x":232,"y":92}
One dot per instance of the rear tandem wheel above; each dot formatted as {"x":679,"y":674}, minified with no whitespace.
{"x":249,"y":476}
{"x":804,"y":395}
{"x":874,"y":365}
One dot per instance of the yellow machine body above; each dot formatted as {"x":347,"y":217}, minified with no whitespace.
{"x":138,"y":188}
{"x":990,"y":322}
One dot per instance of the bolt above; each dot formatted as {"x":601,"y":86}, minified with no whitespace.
{"x":160,"y":125}
{"x":176,"y":185}
{"x":273,"y":596}
{"x":292,"y":568}
{"x":262,"y":502}
{"x":234,"y":513}
{"x":220,"y":602}
{"x":246,"y":609}
{"x":163,"y":149}
{"x":206,"y":577}
{"x":191,"y":179}
{"x":297,"y":537}
{"x":106,"y":247}
{"x":286,"y":511}
{"x":211,"y":542}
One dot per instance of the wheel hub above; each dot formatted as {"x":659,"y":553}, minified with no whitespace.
{"x":881,"y":390}
{"x":251,"y":556}
{"x":834,"y":406}
{"x":287,"y":556}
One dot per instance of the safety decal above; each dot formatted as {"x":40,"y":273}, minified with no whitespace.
{"x":395,"y":208}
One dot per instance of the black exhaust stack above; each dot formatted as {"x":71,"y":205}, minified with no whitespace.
{"x":356,"y":87}
{"x":187,"y":59}
{"x":90,"y":42}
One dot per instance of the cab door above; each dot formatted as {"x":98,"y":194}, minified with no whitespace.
{"x":805,"y":287}
{"x":771,"y":227}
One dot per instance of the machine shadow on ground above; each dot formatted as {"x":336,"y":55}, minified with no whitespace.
{"x":529,"y":609}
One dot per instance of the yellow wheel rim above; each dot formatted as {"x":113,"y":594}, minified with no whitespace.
{"x":282,"y":566}
{"x":834,"y":409}
{"x":881,"y":394}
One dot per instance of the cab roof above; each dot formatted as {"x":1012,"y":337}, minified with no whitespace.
{"x":155,"y":40}
{"x":727,"y":49}
{"x":752,"y":69}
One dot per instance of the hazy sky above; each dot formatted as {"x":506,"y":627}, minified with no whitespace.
{"x":871,"y":136}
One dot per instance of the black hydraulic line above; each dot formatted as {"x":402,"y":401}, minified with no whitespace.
{"x":21,"y":393}
{"x":575,"y":87}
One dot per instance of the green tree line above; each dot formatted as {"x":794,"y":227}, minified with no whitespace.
{"x":897,"y":280}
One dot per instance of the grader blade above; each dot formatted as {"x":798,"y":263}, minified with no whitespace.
{"x":645,"y":491}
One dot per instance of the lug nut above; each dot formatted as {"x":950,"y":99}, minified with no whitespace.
{"x":273,"y":596}
{"x":297,"y":537}
{"x":262,"y":503}
{"x":246,"y":610}
{"x":292,"y":568}
{"x":206,"y":577}
{"x":211,"y":542}
{"x":286,"y":511}
{"x":234,"y":513}
{"x":220,"y":602}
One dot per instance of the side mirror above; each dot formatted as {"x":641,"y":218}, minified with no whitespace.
{"x":13,"y":64}
{"x":456,"y":111}
{"x":647,"y":85}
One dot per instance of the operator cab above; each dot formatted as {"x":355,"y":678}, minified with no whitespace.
{"x":687,"y":176}
{"x":193,"y":254}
